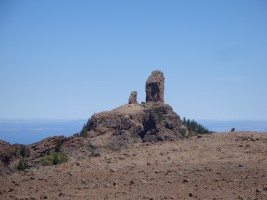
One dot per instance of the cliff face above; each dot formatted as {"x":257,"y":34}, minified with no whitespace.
{"x":131,"y":123}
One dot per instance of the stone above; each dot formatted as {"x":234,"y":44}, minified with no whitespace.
{"x":113,"y":170}
{"x":43,"y":196}
{"x":258,"y":190}
{"x":155,"y":87}
{"x":185,"y":181}
{"x":144,"y":181}
{"x":133,"y":98}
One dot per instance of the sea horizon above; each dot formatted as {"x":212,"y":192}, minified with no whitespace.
{"x":28,"y":131}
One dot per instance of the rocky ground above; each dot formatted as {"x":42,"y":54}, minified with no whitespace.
{"x":218,"y":166}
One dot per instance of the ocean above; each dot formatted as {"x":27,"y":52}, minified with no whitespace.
{"x":30,"y":131}
{"x":226,"y":126}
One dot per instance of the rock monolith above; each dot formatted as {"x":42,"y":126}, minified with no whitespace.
{"x":155,"y":87}
{"x":133,"y":98}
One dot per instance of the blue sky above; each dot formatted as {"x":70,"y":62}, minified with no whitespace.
{"x":69,"y":59}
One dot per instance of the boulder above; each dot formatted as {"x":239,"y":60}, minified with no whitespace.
{"x":155,"y":87}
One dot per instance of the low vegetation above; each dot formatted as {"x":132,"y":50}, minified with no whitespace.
{"x":23,"y":164}
{"x":54,"y":159}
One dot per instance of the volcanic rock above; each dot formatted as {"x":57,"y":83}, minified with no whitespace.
{"x":8,"y":153}
{"x":155,"y":87}
{"x":133,"y":98}
{"x":152,"y":121}
{"x":119,"y":128}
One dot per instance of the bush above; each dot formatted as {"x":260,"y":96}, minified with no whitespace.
{"x":54,"y":159}
{"x":60,"y":158}
{"x":22,"y":165}
{"x":47,"y":160}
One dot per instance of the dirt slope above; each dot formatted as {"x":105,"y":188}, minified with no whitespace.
{"x":219,"y":166}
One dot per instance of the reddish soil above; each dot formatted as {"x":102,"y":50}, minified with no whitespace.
{"x":218,"y":166}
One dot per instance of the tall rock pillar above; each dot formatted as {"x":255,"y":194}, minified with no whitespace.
{"x":155,"y":87}
{"x":133,"y":98}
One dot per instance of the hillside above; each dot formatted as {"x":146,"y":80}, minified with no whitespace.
{"x":137,"y":151}
{"x":148,"y":122}
{"x":217,"y":166}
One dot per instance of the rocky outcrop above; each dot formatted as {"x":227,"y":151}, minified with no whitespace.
{"x":151,"y":121}
{"x":117,"y":128}
{"x":161,"y":123}
{"x":133,"y":98}
{"x":133,"y":123}
{"x":155,"y":87}
{"x":147,"y":122}
{"x":8,"y":153}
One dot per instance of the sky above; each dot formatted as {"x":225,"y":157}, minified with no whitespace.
{"x":69,"y":59}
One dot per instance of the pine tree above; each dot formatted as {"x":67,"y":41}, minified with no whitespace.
{"x":195,"y":127}
{"x":84,"y":131}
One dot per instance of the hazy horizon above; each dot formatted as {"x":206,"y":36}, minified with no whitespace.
{"x":31,"y":131}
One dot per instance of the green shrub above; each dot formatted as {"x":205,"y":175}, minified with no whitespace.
{"x":22,"y":165}
{"x":60,"y":158}
{"x":54,"y":159}
{"x":47,"y":160}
